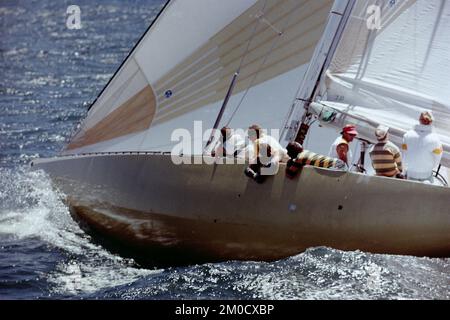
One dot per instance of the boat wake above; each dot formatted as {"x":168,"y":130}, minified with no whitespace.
{"x":319,"y":273}
{"x":59,"y":260}
{"x":31,"y":211}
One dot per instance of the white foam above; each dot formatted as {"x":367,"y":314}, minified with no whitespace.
{"x":35,"y":210}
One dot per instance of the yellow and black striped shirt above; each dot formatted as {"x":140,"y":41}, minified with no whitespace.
{"x":308,"y":158}
{"x":386,"y":159}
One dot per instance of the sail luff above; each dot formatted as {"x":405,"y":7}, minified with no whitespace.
{"x":131,"y":53}
{"x":130,"y":57}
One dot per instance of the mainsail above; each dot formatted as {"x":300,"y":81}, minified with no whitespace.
{"x":388,"y":75}
{"x":182,"y":68}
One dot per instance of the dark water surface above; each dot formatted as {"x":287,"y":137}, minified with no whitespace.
{"x":49,"y":76}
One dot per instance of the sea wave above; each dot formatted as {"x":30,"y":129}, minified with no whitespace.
{"x":31,"y":209}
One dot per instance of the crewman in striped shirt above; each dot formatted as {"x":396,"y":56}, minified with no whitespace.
{"x":300,"y":158}
{"x":386,"y":156}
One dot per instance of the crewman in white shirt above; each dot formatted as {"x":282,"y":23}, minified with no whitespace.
{"x":257,"y":137}
{"x":340,"y":148}
{"x":422,"y":150}
{"x":230,"y":144}
{"x":266,"y":154}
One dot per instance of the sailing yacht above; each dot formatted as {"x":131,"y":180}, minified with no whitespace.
{"x":282,"y":64}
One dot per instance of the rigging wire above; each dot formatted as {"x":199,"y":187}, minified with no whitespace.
{"x":263,"y":63}
{"x":236,"y":74}
{"x":337,"y":36}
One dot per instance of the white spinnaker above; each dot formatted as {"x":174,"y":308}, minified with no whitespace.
{"x":389,"y":76}
{"x":182,"y":68}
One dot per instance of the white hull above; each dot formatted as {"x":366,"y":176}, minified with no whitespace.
{"x":216,"y":213}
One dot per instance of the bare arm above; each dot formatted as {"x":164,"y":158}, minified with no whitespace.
{"x":398,"y":161}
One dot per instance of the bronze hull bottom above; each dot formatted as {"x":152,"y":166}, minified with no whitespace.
{"x":202,"y":213}
{"x":162,"y":240}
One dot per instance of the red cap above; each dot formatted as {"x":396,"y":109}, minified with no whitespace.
{"x":350,"y":129}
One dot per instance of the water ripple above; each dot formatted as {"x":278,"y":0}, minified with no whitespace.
{"x":50,"y":76}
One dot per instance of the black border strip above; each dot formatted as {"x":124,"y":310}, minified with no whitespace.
{"x":130,"y":53}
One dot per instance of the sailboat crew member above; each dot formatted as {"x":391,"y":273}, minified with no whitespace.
{"x":230,"y":144}
{"x":266,"y":154}
{"x":267,"y":164}
{"x":341,"y":147}
{"x":300,"y":157}
{"x":386,"y":157}
{"x":257,"y":136}
{"x":422,"y":149}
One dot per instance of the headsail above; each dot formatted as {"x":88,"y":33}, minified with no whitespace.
{"x":182,"y":68}
{"x":388,"y":76}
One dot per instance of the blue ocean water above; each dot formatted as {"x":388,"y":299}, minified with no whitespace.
{"x":49,"y":76}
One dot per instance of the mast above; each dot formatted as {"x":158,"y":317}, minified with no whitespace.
{"x":322,"y":58}
{"x":387,"y":76}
